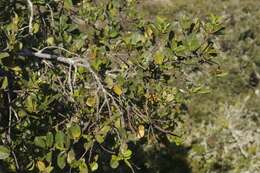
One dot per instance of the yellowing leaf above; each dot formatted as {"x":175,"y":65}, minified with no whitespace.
{"x":35,"y":28}
{"x":140,"y":133}
{"x":158,"y":58}
{"x":91,"y":101}
{"x":117,"y":89}
{"x":41,"y":166}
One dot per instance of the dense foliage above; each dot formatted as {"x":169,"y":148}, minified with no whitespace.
{"x":83,"y":82}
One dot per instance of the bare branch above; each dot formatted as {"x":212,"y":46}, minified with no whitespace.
{"x":30,"y":4}
{"x":77,"y":62}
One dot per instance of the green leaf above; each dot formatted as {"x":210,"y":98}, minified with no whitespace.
{"x":100,"y":138}
{"x":61,"y":160}
{"x":88,"y":145}
{"x":68,"y":4}
{"x":136,"y":38}
{"x":49,"y":139}
{"x":105,"y":130}
{"x":4,"y":55}
{"x":30,"y":166}
{"x":50,"y":40}
{"x":48,"y":157}
{"x":40,"y":141}
{"x":75,"y":131}
{"x":114,"y":162}
{"x":83,"y":168}
{"x":127,"y":154}
{"x":59,"y":140}
{"x":113,"y":34}
{"x":5,"y":83}
{"x":192,"y":42}
{"x":94,"y":166}
{"x":30,"y":104}
{"x":4,"y":152}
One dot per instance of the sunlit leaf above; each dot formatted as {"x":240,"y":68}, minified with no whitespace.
{"x":71,"y":156}
{"x":4,"y":55}
{"x":114,"y":162}
{"x":4,"y":152}
{"x":91,"y":101}
{"x":94,"y":166}
{"x":35,"y":28}
{"x":41,"y":165}
{"x":141,"y":131}
{"x":117,"y":89}
{"x":50,"y":40}
{"x":127,"y":153}
{"x":5,"y":83}
{"x":100,"y":138}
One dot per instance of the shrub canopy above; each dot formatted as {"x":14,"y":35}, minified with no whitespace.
{"x":82,"y":82}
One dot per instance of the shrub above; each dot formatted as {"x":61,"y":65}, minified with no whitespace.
{"x":82,"y":82}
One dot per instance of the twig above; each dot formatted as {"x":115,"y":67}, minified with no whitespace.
{"x":16,"y":161}
{"x":52,"y":18}
{"x":69,"y":79}
{"x":164,"y":131}
{"x":107,"y":150}
{"x":30,"y":4}
{"x":76,"y":61}
{"x":9,"y":119}
{"x":9,"y":130}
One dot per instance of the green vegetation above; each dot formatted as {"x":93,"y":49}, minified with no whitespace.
{"x":84,"y":82}
{"x":129,"y":86}
{"x":222,"y":125}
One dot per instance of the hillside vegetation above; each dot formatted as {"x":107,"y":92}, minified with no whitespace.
{"x":222,"y":125}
